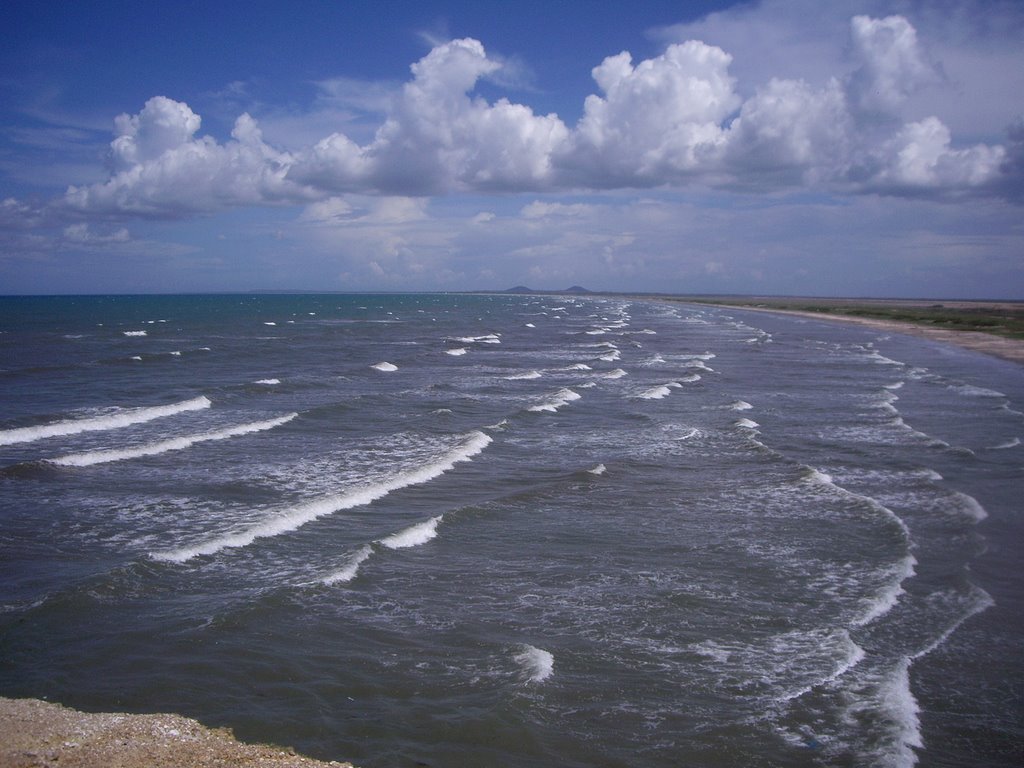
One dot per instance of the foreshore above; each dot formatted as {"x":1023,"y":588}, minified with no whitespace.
{"x":38,"y":734}
{"x":1003,"y":347}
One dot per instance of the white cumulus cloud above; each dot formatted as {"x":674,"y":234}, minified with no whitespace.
{"x":675,"y":119}
{"x":657,"y":121}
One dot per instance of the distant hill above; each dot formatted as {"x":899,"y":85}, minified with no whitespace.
{"x":576,"y":289}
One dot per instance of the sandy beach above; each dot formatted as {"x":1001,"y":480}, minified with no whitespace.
{"x":990,"y":344}
{"x":37,"y":734}
{"x":1002,"y":347}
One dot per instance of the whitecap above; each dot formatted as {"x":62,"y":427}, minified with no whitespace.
{"x":888,"y":597}
{"x":414,"y":535}
{"x":1011,"y":443}
{"x":351,"y":567}
{"x":618,"y":373}
{"x":523,"y":376}
{"x":556,"y":401}
{"x":600,"y":469}
{"x":536,"y":664}
{"x":90,"y":458}
{"x":969,"y":506}
{"x":120,"y":418}
{"x":972,"y":391}
{"x":740,"y":405}
{"x":134,"y":333}
{"x":455,"y":352}
{"x":655,"y":393}
{"x":851,"y":655}
{"x":268,"y":382}
{"x":490,"y":338}
{"x":291,"y":518}
{"x":385,"y":366}
{"x":746,"y":424}
{"x":270,"y":323}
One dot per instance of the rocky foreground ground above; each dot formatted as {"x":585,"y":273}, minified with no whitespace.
{"x":37,"y":734}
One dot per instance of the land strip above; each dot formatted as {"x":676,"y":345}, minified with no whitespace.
{"x":992,"y":327}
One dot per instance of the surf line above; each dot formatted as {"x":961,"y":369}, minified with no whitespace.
{"x":163,"y":446}
{"x":121,"y":418}
{"x":294,"y":517}
{"x":413,"y":536}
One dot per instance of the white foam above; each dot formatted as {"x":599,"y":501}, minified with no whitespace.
{"x":174,"y":444}
{"x":1011,"y":443}
{"x":269,"y":322}
{"x":746,"y":424}
{"x":121,"y":418}
{"x":269,"y":382}
{"x":901,"y":709}
{"x":414,"y":535}
{"x":972,"y":391}
{"x":560,"y":398}
{"x":523,"y":376}
{"x":611,"y":357}
{"x":881,"y":359}
{"x":579,"y":367}
{"x":537,"y":665}
{"x":134,"y":333}
{"x":351,"y":567}
{"x":530,"y":325}
{"x":291,"y":518}
{"x":740,"y":405}
{"x":490,"y":338}
{"x":894,"y":385}
{"x":655,"y":393}
{"x":818,"y":478}
{"x":136,"y":357}
{"x":618,"y":373}
{"x":455,"y":352}
{"x":888,"y":597}
{"x":690,"y":378}
{"x":600,"y":469}
{"x":969,"y":506}
{"x":385,"y":366}
{"x":853,"y":654}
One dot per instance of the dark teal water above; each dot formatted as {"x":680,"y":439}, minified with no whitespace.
{"x":513,"y":530}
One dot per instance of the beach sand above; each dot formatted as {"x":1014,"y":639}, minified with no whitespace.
{"x":36,"y":733}
{"x":990,"y":344}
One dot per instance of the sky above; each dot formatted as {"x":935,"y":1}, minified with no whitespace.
{"x":775,"y":147}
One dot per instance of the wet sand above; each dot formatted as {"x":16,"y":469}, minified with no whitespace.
{"x":34,"y":734}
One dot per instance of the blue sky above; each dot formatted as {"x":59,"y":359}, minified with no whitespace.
{"x":793,"y":147}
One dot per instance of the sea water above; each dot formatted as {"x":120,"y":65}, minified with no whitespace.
{"x":509,"y":530}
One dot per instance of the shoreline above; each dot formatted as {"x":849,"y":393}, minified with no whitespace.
{"x":1002,"y":347}
{"x":39,"y":734}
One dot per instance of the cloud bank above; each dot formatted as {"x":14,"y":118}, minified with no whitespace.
{"x":674,"y":120}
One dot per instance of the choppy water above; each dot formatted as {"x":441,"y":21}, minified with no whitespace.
{"x":513,"y":530}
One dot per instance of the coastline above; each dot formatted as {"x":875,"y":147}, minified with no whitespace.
{"x":1003,"y":347}
{"x":38,"y":734}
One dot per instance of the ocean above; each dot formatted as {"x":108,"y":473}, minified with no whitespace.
{"x":513,"y":530}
